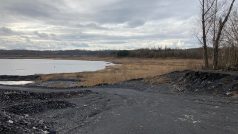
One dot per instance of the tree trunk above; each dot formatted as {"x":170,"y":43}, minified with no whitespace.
{"x":205,"y":54}
{"x":218,"y":37}
{"x":215,"y":55}
{"x":204,"y":36}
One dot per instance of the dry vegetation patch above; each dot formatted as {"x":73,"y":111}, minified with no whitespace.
{"x":127,"y":69}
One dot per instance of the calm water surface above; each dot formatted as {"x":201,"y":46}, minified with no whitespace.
{"x":24,"y":67}
{"x":15,"y":82}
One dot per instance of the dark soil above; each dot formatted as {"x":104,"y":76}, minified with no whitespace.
{"x":190,"y":102}
{"x":19,"y":124}
{"x":38,"y":107}
{"x":206,"y":82}
{"x":18,"y":107}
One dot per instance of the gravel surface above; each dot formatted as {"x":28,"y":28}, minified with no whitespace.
{"x":205,"y":82}
{"x":132,"y":107}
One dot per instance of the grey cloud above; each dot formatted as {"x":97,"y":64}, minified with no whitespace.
{"x":90,"y":26}
{"x":42,"y":35}
{"x":50,"y":45}
{"x":134,"y":11}
{"x":135,"y":23}
{"x":29,"y":8}
{"x":83,"y":45}
{"x":7,"y":31}
{"x":45,"y":35}
{"x":115,"y":22}
{"x":145,"y":10}
{"x":114,"y":42}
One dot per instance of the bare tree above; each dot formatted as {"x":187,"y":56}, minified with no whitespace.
{"x":231,"y":40}
{"x":220,"y":21}
{"x":206,"y":6}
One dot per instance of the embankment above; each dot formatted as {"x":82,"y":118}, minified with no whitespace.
{"x":205,"y":82}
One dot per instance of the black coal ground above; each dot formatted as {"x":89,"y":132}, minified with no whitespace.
{"x":132,"y":107}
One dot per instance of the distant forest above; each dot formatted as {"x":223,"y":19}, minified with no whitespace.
{"x":196,"y":53}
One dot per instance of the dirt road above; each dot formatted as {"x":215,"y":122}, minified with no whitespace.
{"x":121,"y":110}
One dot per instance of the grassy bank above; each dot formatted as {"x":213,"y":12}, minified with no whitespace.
{"x":126,"y":69}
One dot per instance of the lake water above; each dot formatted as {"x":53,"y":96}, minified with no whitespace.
{"x":15,"y":82}
{"x":23,"y":67}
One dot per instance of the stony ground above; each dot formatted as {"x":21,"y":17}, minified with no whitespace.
{"x":205,"y":82}
{"x":181,"y":105}
{"x":17,"y":108}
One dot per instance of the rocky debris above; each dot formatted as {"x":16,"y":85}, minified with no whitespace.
{"x":37,"y":107}
{"x":19,"y":124}
{"x":15,"y":96}
{"x":17,"y":109}
{"x":217,"y":83}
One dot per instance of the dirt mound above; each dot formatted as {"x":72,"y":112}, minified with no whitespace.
{"x":218,"y":83}
{"x":17,"y":109}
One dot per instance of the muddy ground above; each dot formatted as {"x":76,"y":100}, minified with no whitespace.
{"x":188,"y":102}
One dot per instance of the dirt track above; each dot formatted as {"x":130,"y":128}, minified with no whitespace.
{"x":127,"y":108}
{"x":124,"y":111}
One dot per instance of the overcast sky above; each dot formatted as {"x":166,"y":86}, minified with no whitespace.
{"x":97,"y":24}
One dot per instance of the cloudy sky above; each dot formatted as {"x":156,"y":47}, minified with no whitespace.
{"x":97,"y":24}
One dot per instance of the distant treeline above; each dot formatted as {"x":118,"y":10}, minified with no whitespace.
{"x":195,"y":53}
{"x":52,"y":54}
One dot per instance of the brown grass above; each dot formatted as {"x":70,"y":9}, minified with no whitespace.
{"x":127,"y":69}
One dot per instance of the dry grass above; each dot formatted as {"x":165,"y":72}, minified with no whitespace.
{"x":127,"y":69}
